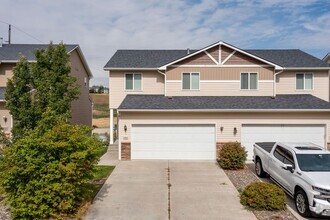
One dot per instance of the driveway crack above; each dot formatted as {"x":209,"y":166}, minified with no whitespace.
{"x":169,"y":190}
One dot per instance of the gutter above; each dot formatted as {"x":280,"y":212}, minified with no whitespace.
{"x":164,"y":80}
{"x":224,"y":110}
{"x":274,"y":85}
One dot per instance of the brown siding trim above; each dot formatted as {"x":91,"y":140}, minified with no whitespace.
{"x":125,"y":151}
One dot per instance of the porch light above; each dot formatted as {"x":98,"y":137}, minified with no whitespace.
{"x":125,"y":128}
{"x":235,"y":131}
{"x":4,"y":119}
{"x":221,"y":128}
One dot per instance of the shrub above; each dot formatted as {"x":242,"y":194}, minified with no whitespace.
{"x":45,"y":173}
{"x":232,"y":156}
{"x":263,"y":196}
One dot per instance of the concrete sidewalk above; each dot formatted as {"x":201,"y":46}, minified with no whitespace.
{"x":110,"y":158}
{"x":139,"y":190}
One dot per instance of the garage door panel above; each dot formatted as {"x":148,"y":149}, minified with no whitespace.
{"x":173,"y":142}
{"x":281,"y":133}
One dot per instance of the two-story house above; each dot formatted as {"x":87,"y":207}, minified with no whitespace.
{"x":185,"y":104}
{"x":9,"y":56}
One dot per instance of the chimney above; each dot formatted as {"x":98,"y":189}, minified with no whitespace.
{"x":1,"y":41}
{"x":188,"y":51}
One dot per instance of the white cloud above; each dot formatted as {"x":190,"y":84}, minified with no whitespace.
{"x":102,"y":26}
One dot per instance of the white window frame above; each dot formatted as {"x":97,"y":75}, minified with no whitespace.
{"x":190,"y":89}
{"x":133,"y":89}
{"x":248,"y":89}
{"x":304,"y":89}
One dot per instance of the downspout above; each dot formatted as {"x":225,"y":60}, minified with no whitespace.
{"x":274,"y":83}
{"x":164,"y":80}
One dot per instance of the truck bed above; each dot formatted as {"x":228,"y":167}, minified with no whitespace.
{"x":267,"y":146}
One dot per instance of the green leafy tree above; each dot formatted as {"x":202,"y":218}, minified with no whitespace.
{"x":101,"y":89}
{"x":45,"y":173}
{"x":38,"y":86}
{"x":19,"y":98}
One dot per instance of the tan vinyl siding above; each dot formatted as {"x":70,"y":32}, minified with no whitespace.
{"x":218,"y":73}
{"x":82,"y":107}
{"x":6,"y":72}
{"x":219,"y":89}
{"x":198,"y":59}
{"x":286,"y":84}
{"x":228,"y":120}
{"x":242,"y":59}
{"x":4,"y":112}
{"x":152,"y":83}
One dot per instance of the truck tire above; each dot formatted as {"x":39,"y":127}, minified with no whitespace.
{"x":302,"y":205}
{"x":258,"y":168}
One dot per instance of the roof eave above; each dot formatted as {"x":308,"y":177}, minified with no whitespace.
{"x":223,"y":110}
{"x":227,"y":45}
{"x":84,"y":61}
{"x":128,"y":68}
{"x":307,"y":68}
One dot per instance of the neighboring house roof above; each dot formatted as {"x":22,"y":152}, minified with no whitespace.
{"x":144,"y":58}
{"x":10,"y":53}
{"x":153,"y":59}
{"x":280,"y":102}
{"x":2,"y":93}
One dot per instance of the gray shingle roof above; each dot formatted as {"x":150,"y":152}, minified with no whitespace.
{"x":158,"y":58}
{"x":161,"y":102}
{"x":289,"y":58}
{"x":10,"y":52}
{"x":144,"y":58}
{"x":2,"y":93}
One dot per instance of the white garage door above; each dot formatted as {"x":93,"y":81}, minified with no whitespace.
{"x":281,"y":133}
{"x":187,"y":142}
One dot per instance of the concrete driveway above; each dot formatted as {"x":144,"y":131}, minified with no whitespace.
{"x":139,"y":190}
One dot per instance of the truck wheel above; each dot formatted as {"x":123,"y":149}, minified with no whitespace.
{"x":258,"y":168}
{"x":301,"y":202}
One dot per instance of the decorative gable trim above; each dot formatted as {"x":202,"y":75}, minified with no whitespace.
{"x":219,"y":63}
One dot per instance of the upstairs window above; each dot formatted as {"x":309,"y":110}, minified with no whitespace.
{"x":190,"y":81}
{"x":249,"y":81}
{"x":304,"y":81}
{"x":133,"y":81}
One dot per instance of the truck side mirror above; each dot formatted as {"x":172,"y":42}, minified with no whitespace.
{"x":288,"y":167}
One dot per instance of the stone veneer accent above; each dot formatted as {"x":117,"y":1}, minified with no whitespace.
{"x":126,"y":151}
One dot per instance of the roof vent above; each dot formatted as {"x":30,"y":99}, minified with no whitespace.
{"x":188,"y":51}
{"x":273,"y":97}
{"x":1,"y":41}
{"x":170,"y":97}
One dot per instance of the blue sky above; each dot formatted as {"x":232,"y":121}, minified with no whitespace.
{"x":103,"y":26}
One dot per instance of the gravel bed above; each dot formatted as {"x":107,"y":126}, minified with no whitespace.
{"x":4,"y":211}
{"x":241,"y":179}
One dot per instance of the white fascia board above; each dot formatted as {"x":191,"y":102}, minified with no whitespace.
{"x":120,"y":68}
{"x":250,"y":55}
{"x":189,"y":55}
{"x":326,"y":57}
{"x":227,"y":45}
{"x":307,"y":68}
{"x":224,"y":110}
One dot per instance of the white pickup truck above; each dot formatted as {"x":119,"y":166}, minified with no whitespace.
{"x":301,"y":169}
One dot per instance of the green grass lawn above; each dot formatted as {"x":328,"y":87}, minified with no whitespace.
{"x":101,"y":107}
